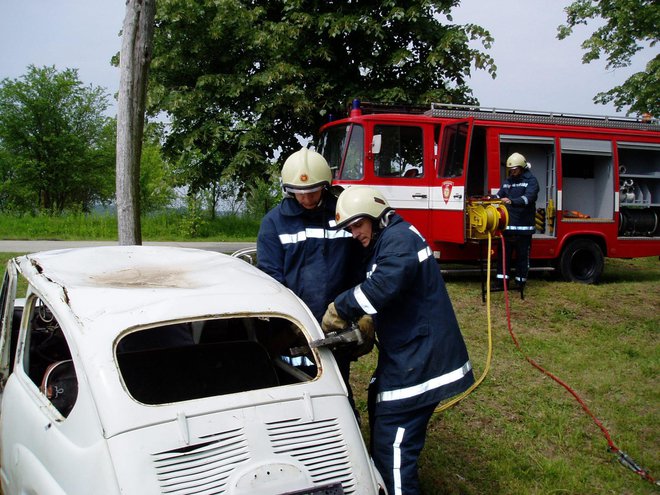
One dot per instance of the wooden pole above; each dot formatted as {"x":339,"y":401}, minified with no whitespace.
{"x":135,"y":57}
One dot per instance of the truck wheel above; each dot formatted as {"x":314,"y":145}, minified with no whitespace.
{"x":581,"y":261}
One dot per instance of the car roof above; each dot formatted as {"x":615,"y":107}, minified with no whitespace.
{"x":125,"y":286}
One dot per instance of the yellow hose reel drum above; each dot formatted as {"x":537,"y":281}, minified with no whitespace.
{"x":486,"y":216}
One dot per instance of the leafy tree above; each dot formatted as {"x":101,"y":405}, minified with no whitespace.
{"x":242,"y":80}
{"x":156,"y":190}
{"x":629,"y":25}
{"x":263,"y":194}
{"x":57,"y":149}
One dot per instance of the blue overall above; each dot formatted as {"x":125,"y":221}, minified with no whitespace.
{"x":422,"y":356}
{"x":522,"y":191}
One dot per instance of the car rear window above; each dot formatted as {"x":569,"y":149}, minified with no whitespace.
{"x":193,"y":360}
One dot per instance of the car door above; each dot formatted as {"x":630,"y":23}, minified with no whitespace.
{"x":45,"y":447}
{"x":7,"y":337}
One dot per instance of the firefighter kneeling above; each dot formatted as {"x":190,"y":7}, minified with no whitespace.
{"x":422,"y":357}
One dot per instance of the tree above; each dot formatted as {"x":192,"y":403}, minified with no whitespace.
{"x":242,"y":81}
{"x":135,"y":58}
{"x":56,"y":145}
{"x":629,"y":24}
{"x":156,"y":191}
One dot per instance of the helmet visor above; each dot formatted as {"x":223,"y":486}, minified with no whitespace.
{"x":303,"y":190}
{"x":345,"y":225}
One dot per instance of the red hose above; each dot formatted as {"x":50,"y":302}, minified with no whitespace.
{"x":622,"y":457}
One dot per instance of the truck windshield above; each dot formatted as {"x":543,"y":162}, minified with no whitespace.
{"x":343,"y":147}
{"x":193,"y":360}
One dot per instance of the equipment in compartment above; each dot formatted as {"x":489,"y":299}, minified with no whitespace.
{"x":634,"y":192}
{"x":638,"y":222}
{"x":540,"y":220}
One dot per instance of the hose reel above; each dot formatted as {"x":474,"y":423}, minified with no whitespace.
{"x":485,"y":216}
{"x":634,"y":222}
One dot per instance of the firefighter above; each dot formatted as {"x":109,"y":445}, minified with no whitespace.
{"x":422,"y":357}
{"x":298,"y":246}
{"x":518,"y":192}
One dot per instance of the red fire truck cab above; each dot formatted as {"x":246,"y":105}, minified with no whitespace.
{"x":599,"y":177}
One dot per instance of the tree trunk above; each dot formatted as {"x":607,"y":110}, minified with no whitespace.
{"x":135,"y":56}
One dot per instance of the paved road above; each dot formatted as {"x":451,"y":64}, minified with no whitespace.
{"x":34,"y":246}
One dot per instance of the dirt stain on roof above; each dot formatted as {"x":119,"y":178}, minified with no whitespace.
{"x":145,"y":277}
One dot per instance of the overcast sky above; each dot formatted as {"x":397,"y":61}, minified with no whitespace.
{"x":535,"y":70}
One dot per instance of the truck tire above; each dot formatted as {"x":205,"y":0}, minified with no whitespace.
{"x":581,"y":261}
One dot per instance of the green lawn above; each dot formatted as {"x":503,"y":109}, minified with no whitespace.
{"x":165,"y":226}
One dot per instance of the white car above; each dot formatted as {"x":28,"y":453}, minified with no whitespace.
{"x":154,"y":370}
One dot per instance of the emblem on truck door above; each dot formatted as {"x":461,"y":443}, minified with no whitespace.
{"x":446,"y":190}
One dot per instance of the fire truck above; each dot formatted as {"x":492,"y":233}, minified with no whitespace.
{"x":599,"y":177}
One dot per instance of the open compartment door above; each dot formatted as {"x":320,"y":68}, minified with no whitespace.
{"x":448,"y":193}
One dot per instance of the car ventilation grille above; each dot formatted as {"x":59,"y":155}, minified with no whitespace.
{"x":203,"y":468}
{"x":319,"y":445}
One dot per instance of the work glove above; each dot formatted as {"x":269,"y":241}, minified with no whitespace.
{"x":332,"y":322}
{"x":368,"y":331}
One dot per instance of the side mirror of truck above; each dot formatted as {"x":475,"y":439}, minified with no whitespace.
{"x":376,"y":142}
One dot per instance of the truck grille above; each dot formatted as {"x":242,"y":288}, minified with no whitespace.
{"x":203,"y":468}
{"x":319,"y":445}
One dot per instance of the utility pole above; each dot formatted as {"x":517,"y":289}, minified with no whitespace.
{"x":135,"y":57}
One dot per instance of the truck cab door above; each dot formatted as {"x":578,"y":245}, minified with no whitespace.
{"x":399,"y":166}
{"x":448,"y":191}
{"x":7,"y":298}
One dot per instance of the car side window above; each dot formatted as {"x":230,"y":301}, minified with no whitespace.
{"x":4,"y":293}
{"x":48,"y":358}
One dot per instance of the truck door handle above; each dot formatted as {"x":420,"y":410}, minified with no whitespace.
{"x":458,"y":196}
{"x":419,"y":196}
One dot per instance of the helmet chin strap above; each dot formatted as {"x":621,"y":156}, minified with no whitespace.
{"x":326,"y":189}
{"x":385,"y":219}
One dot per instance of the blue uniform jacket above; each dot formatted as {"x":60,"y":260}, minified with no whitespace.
{"x":422,"y":356}
{"x":301,"y":249}
{"x":522,"y":191}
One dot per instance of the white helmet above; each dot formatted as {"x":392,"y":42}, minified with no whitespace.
{"x":305,"y":171}
{"x":517,"y":160}
{"x":359,"y":202}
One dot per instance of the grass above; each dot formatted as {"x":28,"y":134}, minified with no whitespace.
{"x":166,"y":226}
{"x":520,"y":432}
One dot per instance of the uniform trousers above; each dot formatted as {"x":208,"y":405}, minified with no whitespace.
{"x":396,"y":441}
{"x":517,"y":245}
